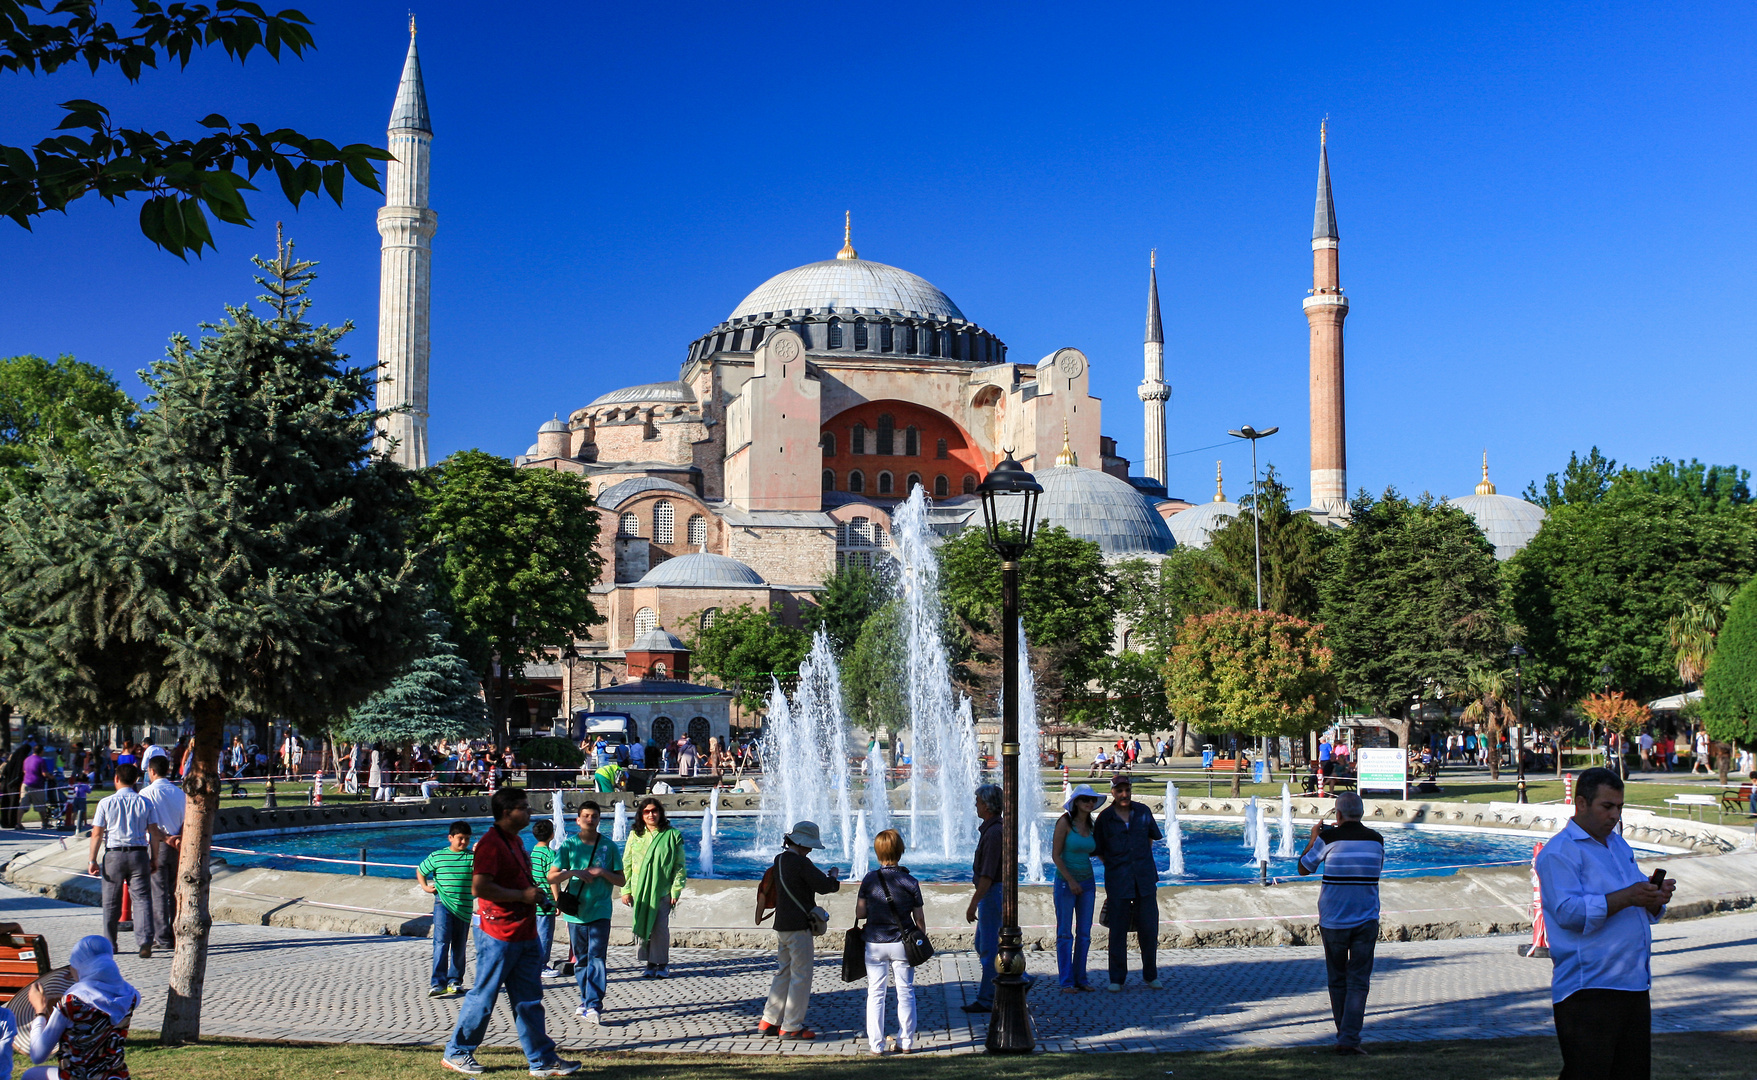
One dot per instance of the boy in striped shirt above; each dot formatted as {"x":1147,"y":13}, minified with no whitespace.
{"x":1353,"y":856}
{"x":446,"y":875}
{"x":542,"y":858}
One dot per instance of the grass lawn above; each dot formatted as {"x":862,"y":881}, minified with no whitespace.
{"x":1697,"y":1056}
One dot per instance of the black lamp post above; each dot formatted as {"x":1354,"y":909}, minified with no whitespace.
{"x":570,"y":658}
{"x":1605,"y":671}
{"x":1251,"y":433}
{"x":1009,"y":513}
{"x":1517,"y":652}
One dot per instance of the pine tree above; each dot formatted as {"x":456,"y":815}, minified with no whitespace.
{"x":1730,"y":684}
{"x":436,"y":697}
{"x":240,"y":553}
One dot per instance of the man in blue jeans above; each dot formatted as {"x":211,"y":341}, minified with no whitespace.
{"x":985,"y":904}
{"x":1352,"y":856}
{"x":589,"y":869}
{"x":506,"y":946}
{"x":446,"y":875}
{"x":1124,"y":835}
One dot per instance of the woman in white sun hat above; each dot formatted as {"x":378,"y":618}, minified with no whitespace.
{"x":1074,"y":887}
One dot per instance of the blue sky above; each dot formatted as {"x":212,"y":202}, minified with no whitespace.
{"x":1547,"y":211}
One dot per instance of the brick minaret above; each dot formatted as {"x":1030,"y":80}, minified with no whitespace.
{"x":1154,"y":391}
{"x":1326,"y":308}
{"x":405,"y":272}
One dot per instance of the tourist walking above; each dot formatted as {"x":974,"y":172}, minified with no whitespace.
{"x":120,"y":853}
{"x":1700,"y":759}
{"x":889,"y":900}
{"x":167,"y":801}
{"x":1075,"y":887}
{"x":445,"y":875}
{"x":506,"y":946}
{"x":11,"y":783}
{"x":1599,"y":910}
{"x":542,"y":858}
{"x":798,"y":882}
{"x":375,"y":776}
{"x":588,"y":869}
{"x":656,"y":876}
{"x":86,"y":1027}
{"x":985,"y":901}
{"x":1124,"y":835}
{"x":33,"y":788}
{"x":1352,"y":857}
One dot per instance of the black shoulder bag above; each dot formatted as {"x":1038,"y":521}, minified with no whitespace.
{"x":917,"y":948}
{"x":568,"y":901}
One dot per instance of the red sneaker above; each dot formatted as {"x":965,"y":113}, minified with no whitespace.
{"x":765,"y":1028}
{"x":802,"y":1033}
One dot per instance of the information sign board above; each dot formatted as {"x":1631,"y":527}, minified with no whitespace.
{"x":1381,"y":768}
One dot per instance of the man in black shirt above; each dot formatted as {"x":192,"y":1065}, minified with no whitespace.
{"x":985,"y":903}
{"x":798,"y":881}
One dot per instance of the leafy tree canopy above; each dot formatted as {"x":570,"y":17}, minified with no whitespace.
{"x":850,"y":597}
{"x":1256,"y":672}
{"x":1133,"y":695}
{"x":48,"y":404}
{"x":1708,"y":488}
{"x":178,"y":176}
{"x":1584,"y":480}
{"x":437,"y":696}
{"x":1730,"y":684}
{"x":745,"y":648}
{"x":1154,"y":598}
{"x":1293,"y":556}
{"x":874,"y":675}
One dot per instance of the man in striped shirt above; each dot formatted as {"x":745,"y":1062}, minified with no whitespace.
{"x":1352,"y":857}
{"x":446,"y":875}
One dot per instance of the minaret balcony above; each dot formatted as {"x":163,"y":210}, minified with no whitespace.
{"x":1154,"y":391}
{"x":1335,"y":301}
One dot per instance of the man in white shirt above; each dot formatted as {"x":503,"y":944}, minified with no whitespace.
{"x":152,"y":750}
{"x":123,"y":832}
{"x":1599,"y":909}
{"x":167,"y":801}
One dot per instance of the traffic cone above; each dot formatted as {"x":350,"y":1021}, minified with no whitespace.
{"x":127,"y":921}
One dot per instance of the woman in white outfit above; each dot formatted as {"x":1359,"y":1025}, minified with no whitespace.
{"x":375,"y":778}
{"x":889,"y":900}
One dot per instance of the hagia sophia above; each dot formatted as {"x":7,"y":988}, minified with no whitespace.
{"x":795,"y":426}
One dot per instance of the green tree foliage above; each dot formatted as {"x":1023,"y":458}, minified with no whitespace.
{"x":516,"y":553}
{"x":1601,"y":581}
{"x":178,"y":176}
{"x":1409,"y":602}
{"x":1133,"y":695}
{"x":1154,"y":598}
{"x":745,"y":648}
{"x":437,"y":696}
{"x":1293,"y":557}
{"x":1708,"y":488}
{"x":1730,"y":684}
{"x":874,"y":676}
{"x":241,"y":553}
{"x":1584,"y":480}
{"x":49,"y":403}
{"x":850,"y":597}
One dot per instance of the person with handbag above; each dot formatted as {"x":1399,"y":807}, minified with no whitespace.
{"x":890,"y":902}
{"x":796,"y":880}
{"x":1075,"y":888}
{"x":1125,"y":833}
{"x":656,"y":876}
{"x":587,"y":871}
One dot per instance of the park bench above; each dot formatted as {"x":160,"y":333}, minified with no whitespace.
{"x":1224,"y":764}
{"x":24,"y":958}
{"x":1738,"y":802}
{"x":1692,"y":803}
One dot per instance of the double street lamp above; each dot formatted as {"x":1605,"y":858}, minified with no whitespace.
{"x":1009,"y":515}
{"x":1518,"y":654}
{"x":1251,"y":433}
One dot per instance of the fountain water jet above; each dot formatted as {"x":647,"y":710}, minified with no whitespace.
{"x":1285,"y":851}
{"x":862,"y":847}
{"x":1250,"y":834}
{"x":805,"y":752}
{"x":705,"y":856}
{"x":1030,"y":768}
{"x":619,"y":823}
{"x":1174,"y":833}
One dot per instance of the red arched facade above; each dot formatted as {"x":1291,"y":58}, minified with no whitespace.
{"x":854,"y":440}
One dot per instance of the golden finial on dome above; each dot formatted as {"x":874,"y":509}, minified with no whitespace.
{"x":1485,"y":488}
{"x":847,"y":251}
{"x":1324,"y":131}
{"x":411,"y":24}
{"x":1067,"y":458}
{"x":1153,"y":259}
{"x":1219,"y":492}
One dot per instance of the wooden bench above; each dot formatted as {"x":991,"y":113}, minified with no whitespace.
{"x":24,"y":958}
{"x":1224,"y":764}
{"x":1688,"y":802}
{"x":1739,"y":802}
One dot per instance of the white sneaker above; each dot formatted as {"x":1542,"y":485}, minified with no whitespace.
{"x":1115,"y":988}
{"x":550,"y":973}
{"x":591,"y":1016}
{"x":1156,"y":984}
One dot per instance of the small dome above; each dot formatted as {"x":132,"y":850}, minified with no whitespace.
{"x":699,"y":569}
{"x":617,"y":494}
{"x":1508,"y":523}
{"x":552,"y":425}
{"x":658,"y":639}
{"x":847,"y":284}
{"x":1096,"y":506}
{"x":1192,"y":527}
{"x":533,"y":451}
{"x":658,"y":391}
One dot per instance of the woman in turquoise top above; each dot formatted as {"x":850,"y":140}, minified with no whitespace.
{"x":1074,"y":887}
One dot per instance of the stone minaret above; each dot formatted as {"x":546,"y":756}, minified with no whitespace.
{"x":405,"y":276}
{"x":1326,"y":308}
{"x":1154,"y":391}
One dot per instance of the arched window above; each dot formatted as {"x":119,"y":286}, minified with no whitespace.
{"x":829,"y":479}
{"x":645,"y":619}
{"x":698,"y":530}
{"x":884,"y":483}
{"x":664,"y":522}
{"x":629,"y":526}
{"x":708,"y":618}
{"x":859,"y":532}
{"x":941,"y":487}
{"x":659,"y":669}
{"x":887,"y":432}
{"x":969,"y":483}
{"x":859,"y":335}
{"x":857,"y":439}
{"x":827,"y":441}
{"x":909,"y":339}
{"x":939,"y":450}
{"x":664,"y":731}
{"x":1128,"y":639}
{"x":699,"y":730}
{"x":911,"y":442}
{"x":835,"y":333}
{"x":886,"y":340}
{"x":909,"y":484}
{"x":933,"y":340}
{"x":856,"y":482}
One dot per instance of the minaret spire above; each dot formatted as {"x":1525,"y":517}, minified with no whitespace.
{"x":1219,"y":491}
{"x":1325,"y":309}
{"x":1487,"y":486}
{"x":405,"y":276}
{"x":847,"y":251}
{"x":1154,"y":391}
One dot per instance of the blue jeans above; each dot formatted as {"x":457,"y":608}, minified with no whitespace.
{"x":448,"y":946}
{"x":589,"y":942}
{"x":988,"y":941}
{"x":1073,"y":930}
{"x":545,"y":937}
{"x":515,"y":965}
{"x":1348,"y":959}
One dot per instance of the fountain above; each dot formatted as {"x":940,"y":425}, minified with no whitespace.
{"x":560,"y":821}
{"x":619,"y":823}
{"x":1260,"y":840}
{"x":878,"y":800}
{"x":1174,"y":833}
{"x":1285,"y":851}
{"x":1250,"y":833}
{"x":1030,"y":768}
{"x":862,"y":848}
{"x":805,"y":752}
{"x":705,"y":855}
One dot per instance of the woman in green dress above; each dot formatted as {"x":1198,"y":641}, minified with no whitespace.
{"x":656,"y":876}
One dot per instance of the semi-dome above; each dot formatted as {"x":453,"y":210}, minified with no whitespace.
{"x":617,"y":494}
{"x":1193,"y":527}
{"x":658,"y":391}
{"x":1096,"y":506}
{"x":845,"y":284}
{"x":1508,"y":523}
{"x":702,"y":570}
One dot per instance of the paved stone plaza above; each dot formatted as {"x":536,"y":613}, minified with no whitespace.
{"x":271,"y":983}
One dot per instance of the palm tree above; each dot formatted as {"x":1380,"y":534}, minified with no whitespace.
{"x":1485,"y":692}
{"x":1692,"y":632}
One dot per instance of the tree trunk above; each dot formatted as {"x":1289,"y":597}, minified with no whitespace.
{"x":182,"y":1021}
{"x":1491,"y":712}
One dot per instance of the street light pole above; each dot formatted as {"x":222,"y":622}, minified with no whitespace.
{"x":1008,"y":492}
{"x":1251,"y":433}
{"x":1517,"y":652}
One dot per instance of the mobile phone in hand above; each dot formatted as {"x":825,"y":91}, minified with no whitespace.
{"x":1657,"y":878}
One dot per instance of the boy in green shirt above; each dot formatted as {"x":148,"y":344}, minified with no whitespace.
{"x":446,"y":874}
{"x":589,"y":867}
{"x":542,"y":858}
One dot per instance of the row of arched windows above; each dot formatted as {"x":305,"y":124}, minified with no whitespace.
{"x":884,"y":442}
{"x":665,"y":731}
{"x":885,"y":484}
{"x":665,"y":525}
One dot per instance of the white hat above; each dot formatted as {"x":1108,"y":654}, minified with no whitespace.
{"x":1084,"y":791}
{"x":805,"y":834}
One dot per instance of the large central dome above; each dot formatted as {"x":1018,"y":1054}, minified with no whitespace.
{"x":848,"y":283}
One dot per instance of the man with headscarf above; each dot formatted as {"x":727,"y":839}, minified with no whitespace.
{"x":88,"y":1025}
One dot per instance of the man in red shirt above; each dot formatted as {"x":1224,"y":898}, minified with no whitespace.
{"x":506,"y":946}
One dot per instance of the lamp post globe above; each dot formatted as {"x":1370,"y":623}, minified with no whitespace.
{"x":1009,"y":497}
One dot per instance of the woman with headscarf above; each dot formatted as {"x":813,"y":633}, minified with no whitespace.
{"x":656,"y":876}
{"x":87,"y":1028}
